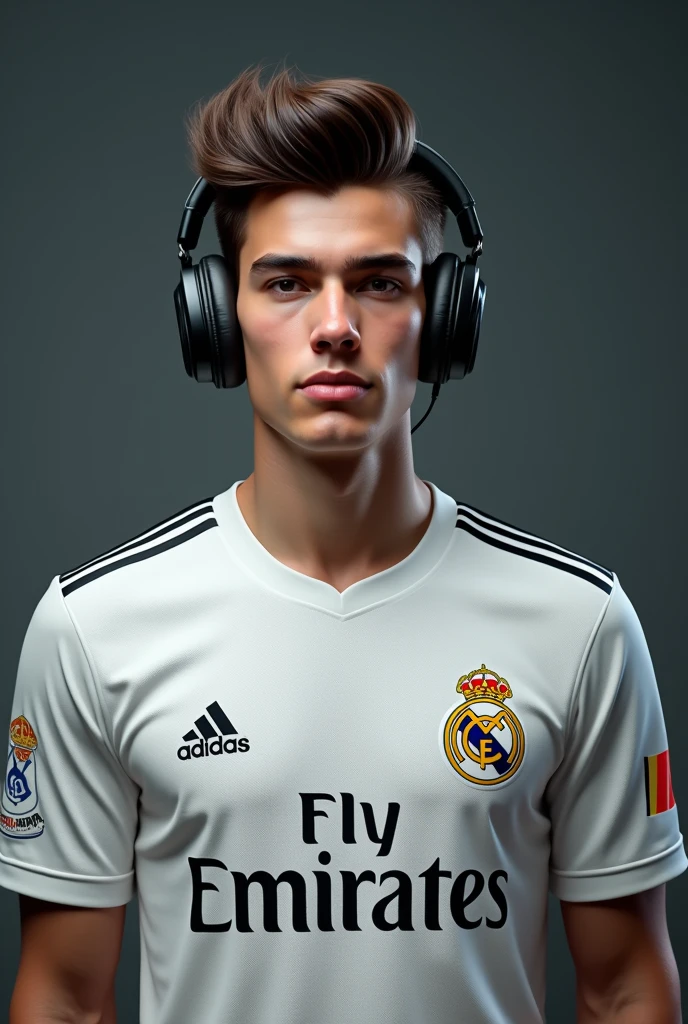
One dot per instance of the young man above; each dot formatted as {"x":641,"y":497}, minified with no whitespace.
{"x":340,"y":733}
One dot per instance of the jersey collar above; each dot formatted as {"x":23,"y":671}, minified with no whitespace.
{"x":406,"y":575}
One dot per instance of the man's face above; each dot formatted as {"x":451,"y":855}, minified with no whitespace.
{"x":332,"y":314}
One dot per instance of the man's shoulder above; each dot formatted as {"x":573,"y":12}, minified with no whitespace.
{"x":156,"y":550}
{"x":520,"y":549}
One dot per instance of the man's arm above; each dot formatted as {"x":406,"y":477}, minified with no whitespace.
{"x":625,"y":968}
{"x":67,"y":966}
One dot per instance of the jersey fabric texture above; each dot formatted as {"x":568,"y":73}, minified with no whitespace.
{"x":337,"y":807}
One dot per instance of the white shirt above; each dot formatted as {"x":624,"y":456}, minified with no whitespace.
{"x":337,"y":807}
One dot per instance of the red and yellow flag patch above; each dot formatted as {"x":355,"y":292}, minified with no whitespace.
{"x":659,"y":794}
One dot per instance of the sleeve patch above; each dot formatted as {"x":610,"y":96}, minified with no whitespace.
{"x":659,"y":794}
{"x":20,"y":817}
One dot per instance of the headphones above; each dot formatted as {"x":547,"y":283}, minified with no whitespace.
{"x":205,"y":298}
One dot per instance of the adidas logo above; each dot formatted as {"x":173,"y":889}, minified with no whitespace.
{"x":210,"y":741}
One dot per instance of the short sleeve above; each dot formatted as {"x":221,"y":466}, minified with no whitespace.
{"x":614,"y":818}
{"x":69,"y":810}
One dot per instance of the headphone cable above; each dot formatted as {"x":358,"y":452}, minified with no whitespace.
{"x":435,"y":392}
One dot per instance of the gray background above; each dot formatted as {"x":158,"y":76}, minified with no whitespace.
{"x":566,"y":122}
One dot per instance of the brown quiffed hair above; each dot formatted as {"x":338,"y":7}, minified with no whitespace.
{"x":323,"y":134}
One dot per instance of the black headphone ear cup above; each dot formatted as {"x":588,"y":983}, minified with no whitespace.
{"x":217,"y":293}
{"x":191,"y":324}
{"x":205,"y":303}
{"x":454,"y":296}
{"x":469,"y":304}
{"x":440,"y":279}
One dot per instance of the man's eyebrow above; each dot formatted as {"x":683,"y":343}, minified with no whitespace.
{"x":284,"y":261}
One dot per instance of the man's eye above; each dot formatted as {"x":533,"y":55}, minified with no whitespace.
{"x":383,"y":281}
{"x":289,"y":281}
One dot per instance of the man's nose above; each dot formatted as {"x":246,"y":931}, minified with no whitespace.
{"x":336,"y":317}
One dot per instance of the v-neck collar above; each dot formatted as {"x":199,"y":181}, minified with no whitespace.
{"x":381,"y":586}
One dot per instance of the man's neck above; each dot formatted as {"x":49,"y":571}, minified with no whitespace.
{"x":339,"y":524}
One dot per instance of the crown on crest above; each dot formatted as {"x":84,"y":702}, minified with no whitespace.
{"x":482,"y":682}
{"x":22,"y":734}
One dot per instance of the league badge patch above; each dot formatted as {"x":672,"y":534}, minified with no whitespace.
{"x":481,"y":738}
{"x":20,"y":818}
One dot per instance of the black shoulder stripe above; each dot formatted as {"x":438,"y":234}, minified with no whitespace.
{"x":139,"y":556}
{"x":527,"y":538}
{"x":575,"y":570}
{"x":157,"y":530}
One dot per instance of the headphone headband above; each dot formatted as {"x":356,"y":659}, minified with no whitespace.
{"x":452,"y":189}
{"x":424,"y":160}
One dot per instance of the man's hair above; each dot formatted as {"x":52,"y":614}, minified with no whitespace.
{"x":321,"y":134}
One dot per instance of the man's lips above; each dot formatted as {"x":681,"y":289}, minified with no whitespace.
{"x":334,"y":392}
{"x":335,"y":379}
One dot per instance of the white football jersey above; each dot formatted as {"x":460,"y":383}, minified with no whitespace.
{"x":337,"y":807}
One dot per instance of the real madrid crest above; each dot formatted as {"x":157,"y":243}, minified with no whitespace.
{"x":481,"y":738}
